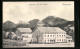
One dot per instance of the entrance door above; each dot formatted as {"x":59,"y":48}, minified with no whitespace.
{"x":69,"y":40}
{"x":52,"y":41}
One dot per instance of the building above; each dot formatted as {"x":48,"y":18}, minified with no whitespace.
{"x":49,"y":35}
{"x":60,"y":34}
{"x":24,"y":33}
{"x":69,"y":38}
{"x":13,"y":35}
{"x":6,"y":34}
{"x":72,"y":29}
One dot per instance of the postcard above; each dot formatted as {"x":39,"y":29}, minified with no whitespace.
{"x":38,"y":24}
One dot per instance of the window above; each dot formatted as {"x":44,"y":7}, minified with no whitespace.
{"x":48,"y":40}
{"x":53,"y":41}
{"x":51,"y":35}
{"x":64,"y":39}
{"x":57,"y":35}
{"x":45,"y":35}
{"x":60,"y":39}
{"x":69,"y":40}
{"x":45,"y":40}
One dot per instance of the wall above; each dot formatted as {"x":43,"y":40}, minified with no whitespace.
{"x":61,"y":37}
{"x":27,"y":37}
{"x":49,"y":37}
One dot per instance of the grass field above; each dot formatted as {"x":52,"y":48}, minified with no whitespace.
{"x":12,"y":43}
{"x":53,"y":45}
{"x":18,"y":44}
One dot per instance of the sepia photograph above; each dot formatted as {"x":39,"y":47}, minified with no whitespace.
{"x":38,"y":24}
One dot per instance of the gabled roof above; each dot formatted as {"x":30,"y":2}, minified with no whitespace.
{"x":57,"y":29}
{"x":51,"y":29}
{"x":72,"y":28}
{"x":24,"y":29}
{"x":45,"y":29}
{"x":68,"y":36}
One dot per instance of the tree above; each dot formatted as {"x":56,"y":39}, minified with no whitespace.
{"x":48,"y":20}
{"x":4,"y":35}
{"x":8,"y":25}
{"x":22,"y":25}
{"x":37,"y":37}
{"x":69,"y":31}
{"x":54,"y":21}
{"x":33,"y":24}
{"x":9,"y":35}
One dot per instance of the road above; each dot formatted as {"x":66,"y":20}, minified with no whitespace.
{"x":52,"y":45}
{"x":46,"y":45}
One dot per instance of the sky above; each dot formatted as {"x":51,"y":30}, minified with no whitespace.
{"x":26,"y":11}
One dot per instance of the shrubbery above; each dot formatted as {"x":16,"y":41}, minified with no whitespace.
{"x":13,"y":43}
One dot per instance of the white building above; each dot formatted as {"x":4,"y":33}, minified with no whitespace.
{"x":49,"y":35}
{"x":13,"y":35}
{"x":24,"y":33}
{"x":60,"y":34}
{"x":69,"y":38}
{"x":72,"y":28}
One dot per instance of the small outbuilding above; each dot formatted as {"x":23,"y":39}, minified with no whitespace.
{"x":68,"y":38}
{"x":24,"y":34}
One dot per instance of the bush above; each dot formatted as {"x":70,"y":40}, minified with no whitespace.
{"x":13,"y":43}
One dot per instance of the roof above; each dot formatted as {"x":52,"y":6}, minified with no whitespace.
{"x":51,"y":29}
{"x":7,"y":33}
{"x":68,"y":36}
{"x":24,"y":29}
{"x":12,"y":32}
{"x":45,"y":29}
{"x":72,"y":28}
{"x":57,"y":29}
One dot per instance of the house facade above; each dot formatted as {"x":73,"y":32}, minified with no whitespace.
{"x":72,"y":29}
{"x":49,"y":35}
{"x":69,"y":38}
{"x":60,"y":34}
{"x":24,"y":33}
